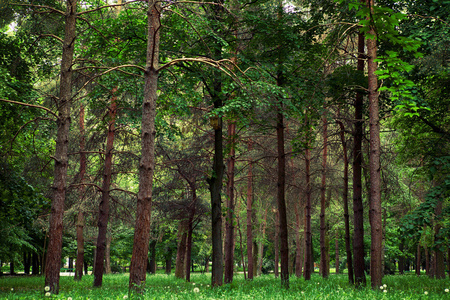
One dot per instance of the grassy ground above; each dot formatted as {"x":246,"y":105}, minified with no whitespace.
{"x":265,"y":287}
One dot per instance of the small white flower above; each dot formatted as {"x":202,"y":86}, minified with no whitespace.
{"x":12,"y":289}
{"x":193,"y":283}
{"x":125,"y":297}
{"x":426,"y":293}
{"x":381,"y":287}
{"x":196,"y":290}
{"x":70,"y":298}
{"x":385,"y":291}
{"x":384,"y":285}
{"x":47,"y":288}
{"x":446,"y":290}
{"x":47,"y":294}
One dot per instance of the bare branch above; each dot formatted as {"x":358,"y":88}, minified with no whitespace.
{"x":30,"y":105}
{"x":53,"y":36}
{"x":106,"y":6}
{"x":41,"y":6}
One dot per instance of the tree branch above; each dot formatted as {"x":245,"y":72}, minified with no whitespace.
{"x":30,"y":105}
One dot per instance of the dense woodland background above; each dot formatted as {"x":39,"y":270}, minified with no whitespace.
{"x":252,"y":106}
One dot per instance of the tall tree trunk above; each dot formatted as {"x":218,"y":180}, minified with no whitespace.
{"x":418,"y":259}
{"x":348,"y":250}
{"x":229,"y":221}
{"x":249,"y":217}
{"x":336,"y":253}
{"x":439,"y":254}
{"x":80,"y":216}
{"x":401,"y":259}
{"x":284,"y":247}
{"x":308,"y":239}
{"x":323,"y":253}
{"x":358,"y":209}
{"x":54,"y":249}
{"x":151,"y":265}
{"x":261,"y":243}
{"x":108,"y":255}
{"x":374,"y":162}
{"x":189,"y":244}
{"x":138,"y":264}
{"x":103,"y":216}
{"x":298,"y":242}
{"x":181,"y":251}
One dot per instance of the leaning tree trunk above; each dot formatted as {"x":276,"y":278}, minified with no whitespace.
{"x":138,"y":264}
{"x":80,"y":216}
{"x":103,"y":215}
{"x":374,"y":162}
{"x":229,"y":222}
{"x":323,"y":228}
{"x":358,"y":208}
{"x":345,"y":203}
{"x":53,"y":261}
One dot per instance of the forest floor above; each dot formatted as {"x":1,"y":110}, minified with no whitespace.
{"x":161,"y":286}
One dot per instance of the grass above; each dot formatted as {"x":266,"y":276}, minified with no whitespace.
{"x":265,"y":287}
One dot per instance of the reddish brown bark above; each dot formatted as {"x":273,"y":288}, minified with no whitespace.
{"x":80,"y":216}
{"x":138,"y":264}
{"x":249,"y":217}
{"x":53,"y":261}
{"x":299,"y":242}
{"x":345,"y":204}
{"x":229,"y":221}
{"x":358,"y":209}
{"x":103,"y":215}
{"x":374,"y":162}
{"x":181,"y":251}
{"x":277,"y":243}
{"x":323,"y":228}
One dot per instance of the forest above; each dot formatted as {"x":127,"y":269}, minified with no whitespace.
{"x":299,"y":139}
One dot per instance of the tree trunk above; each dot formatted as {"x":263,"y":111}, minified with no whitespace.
{"x":35,"y":264}
{"x":374,"y":162}
{"x":181,"y":252}
{"x":336,"y":253}
{"x":323,"y":254}
{"x":229,"y":221}
{"x":401,"y":259}
{"x":168,"y":261}
{"x":26,"y":263}
{"x":418,"y":260}
{"x":277,"y":243}
{"x":284,"y":247}
{"x":308,"y":240}
{"x":358,"y":209}
{"x":147,"y":162}
{"x":189,"y":246}
{"x":249,"y":218}
{"x":103,"y":215}
{"x":108,"y":255}
{"x":80,"y":216}
{"x":54,"y":249}
{"x":261,"y":243}
{"x":348,"y":246}
{"x":439,"y":254}
{"x":298,"y":241}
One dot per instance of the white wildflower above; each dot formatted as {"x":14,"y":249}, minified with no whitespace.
{"x":193,"y":283}
{"x":125,"y":297}
{"x":47,"y":288}
{"x":385,"y":291}
{"x":446,"y":290}
{"x":47,"y":294}
{"x":384,"y":285}
{"x":381,"y":287}
{"x":426,"y":293}
{"x":196,"y":290}
{"x":70,"y":298}
{"x":12,"y":289}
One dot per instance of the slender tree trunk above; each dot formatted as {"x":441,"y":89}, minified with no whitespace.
{"x":108,"y":255}
{"x":323,"y":254}
{"x":277,"y":243}
{"x":54,"y":249}
{"x":241,"y":246}
{"x":249,"y":217}
{"x":345,"y":203}
{"x":298,"y":252}
{"x":151,"y":265}
{"x":284,"y":247}
{"x":401,"y":259}
{"x":418,"y":260}
{"x":358,"y":209}
{"x":138,"y":264}
{"x":229,"y":222}
{"x":374,"y":163}
{"x":261,"y":243}
{"x":336,"y":253}
{"x":439,"y":254}
{"x":308,"y":239}
{"x":427,"y":260}
{"x":189,"y":246}
{"x":80,"y":216}
{"x":104,"y":203}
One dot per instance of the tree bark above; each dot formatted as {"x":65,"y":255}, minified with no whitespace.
{"x":261,"y":243}
{"x":277,"y":243}
{"x":147,"y":162}
{"x":374,"y":162}
{"x":323,"y":254}
{"x":189,"y":243}
{"x":151,"y":265}
{"x":281,"y":201}
{"x":358,"y":209}
{"x":229,"y":221}
{"x":401,"y":259}
{"x":299,"y":244}
{"x":103,"y":215}
{"x":348,"y":246}
{"x":308,"y":240}
{"x":181,"y":252}
{"x":80,"y":216}
{"x":53,"y":261}
{"x":439,"y":254}
{"x":249,"y":217}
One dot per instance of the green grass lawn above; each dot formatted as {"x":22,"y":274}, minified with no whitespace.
{"x":266,"y":287}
